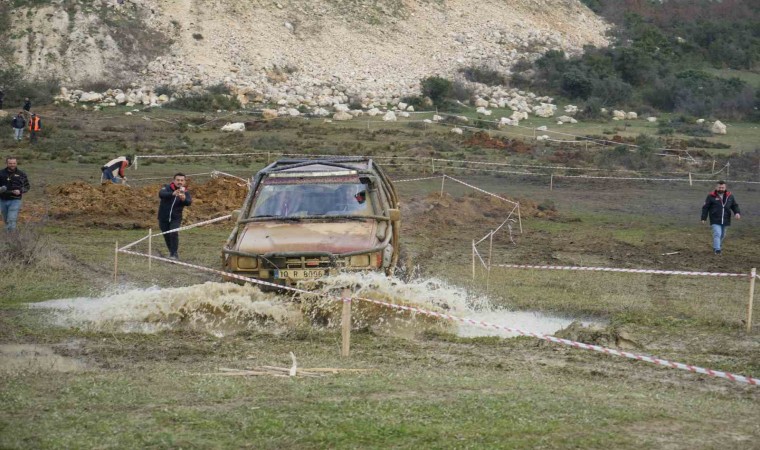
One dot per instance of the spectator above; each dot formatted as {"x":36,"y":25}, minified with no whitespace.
{"x":27,"y":104}
{"x":174,"y":197}
{"x":113,"y":170}
{"x":35,"y":126}
{"x":13,"y":185}
{"x":719,"y":205}
{"x":18,"y":123}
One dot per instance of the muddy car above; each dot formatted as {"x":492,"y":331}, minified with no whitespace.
{"x":308,"y":219}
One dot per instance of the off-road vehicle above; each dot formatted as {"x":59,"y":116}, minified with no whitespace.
{"x":311,"y":218}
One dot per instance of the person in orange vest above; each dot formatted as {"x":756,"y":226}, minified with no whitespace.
{"x":35,"y":125}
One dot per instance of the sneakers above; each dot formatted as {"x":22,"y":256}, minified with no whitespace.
{"x":174,"y":256}
{"x":717,"y":252}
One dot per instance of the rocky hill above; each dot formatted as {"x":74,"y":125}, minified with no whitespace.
{"x":376,"y":48}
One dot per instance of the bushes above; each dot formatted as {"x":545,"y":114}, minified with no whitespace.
{"x":16,"y":87}
{"x":484,"y":75}
{"x":205,"y":102}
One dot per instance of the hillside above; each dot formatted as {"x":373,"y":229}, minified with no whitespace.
{"x":382,"y":47}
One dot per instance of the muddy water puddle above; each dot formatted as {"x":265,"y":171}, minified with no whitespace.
{"x":225,"y":308}
{"x":31,"y":358}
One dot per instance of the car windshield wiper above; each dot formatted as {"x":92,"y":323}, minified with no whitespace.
{"x":269,"y":216}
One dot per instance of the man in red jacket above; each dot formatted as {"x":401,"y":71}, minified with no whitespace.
{"x":113,"y":170}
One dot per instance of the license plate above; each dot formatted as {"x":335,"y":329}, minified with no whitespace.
{"x":300,"y":274}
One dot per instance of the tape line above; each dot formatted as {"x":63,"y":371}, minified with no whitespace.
{"x":614,"y":269}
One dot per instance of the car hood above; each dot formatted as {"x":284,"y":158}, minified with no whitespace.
{"x":307,"y":236}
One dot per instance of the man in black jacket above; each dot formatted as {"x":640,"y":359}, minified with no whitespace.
{"x":174,"y":198}
{"x":718,"y":206}
{"x":18,"y":123}
{"x":13,"y":184}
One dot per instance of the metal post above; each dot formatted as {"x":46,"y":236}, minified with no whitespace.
{"x":551,"y":182}
{"x":346,"y":323}
{"x":116,"y":261}
{"x":443,"y":179}
{"x":713,"y":169}
{"x":753,"y":275}
{"x":728,"y":169}
{"x":134,"y":166}
{"x":690,"y":183}
{"x":432,"y":164}
{"x":268,"y":158}
{"x":150,"y":248}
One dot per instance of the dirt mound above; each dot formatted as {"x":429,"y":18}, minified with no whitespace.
{"x":116,"y":206}
{"x":473,"y":208}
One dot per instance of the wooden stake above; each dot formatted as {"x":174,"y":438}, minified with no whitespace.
{"x":713,"y":169}
{"x":519,"y":218}
{"x":551,"y":182}
{"x":432,"y":164}
{"x":346,"y":324}
{"x":473,"y":260}
{"x":150,"y":248}
{"x":443,"y":179}
{"x":490,"y":254}
{"x":753,"y":275}
{"x":690,"y":184}
{"x":116,"y":261}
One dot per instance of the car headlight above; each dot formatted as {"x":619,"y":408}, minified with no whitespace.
{"x":359,"y":261}
{"x":246,"y":262}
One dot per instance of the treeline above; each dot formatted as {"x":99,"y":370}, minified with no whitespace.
{"x":660,"y":58}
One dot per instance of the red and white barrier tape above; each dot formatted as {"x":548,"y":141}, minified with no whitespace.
{"x":615,"y":269}
{"x":480,"y":190}
{"x":437,"y":177}
{"x":480,"y":323}
{"x":229,"y":175}
{"x":580,"y":345}
{"x":177,"y":230}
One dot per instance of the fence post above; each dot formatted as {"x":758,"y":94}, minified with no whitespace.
{"x":490,"y":255}
{"x":443,"y":179}
{"x":134,"y":166}
{"x":150,"y":248}
{"x":690,"y":184}
{"x":432,"y":164}
{"x":753,"y":275}
{"x":473,"y":260}
{"x":519,"y":218}
{"x":346,"y":323}
{"x":116,"y":261}
{"x":551,"y":182}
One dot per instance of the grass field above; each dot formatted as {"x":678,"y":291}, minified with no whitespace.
{"x":75,"y":385}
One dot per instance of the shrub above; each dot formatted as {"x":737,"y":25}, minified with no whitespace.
{"x":484,"y":75}
{"x":438,"y":89}
{"x":205,"y":102}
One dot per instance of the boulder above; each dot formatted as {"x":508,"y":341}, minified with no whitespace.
{"x":545,"y":110}
{"x":90,"y":97}
{"x":237,"y":127}
{"x":373,"y":112}
{"x":269,"y":114}
{"x":292,"y":112}
{"x":617,"y":114}
{"x":718,"y":127}
{"x":571,"y":109}
{"x":321,"y":112}
{"x":389,"y":117}
{"x":631,"y":115}
{"x":457,"y":130}
{"x":342,"y":116}
{"x":651,"y":119}
{"x":437,"y":118}
{"x":481,"y":103}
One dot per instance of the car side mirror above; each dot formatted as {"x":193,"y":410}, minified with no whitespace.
{"x":236,"y":215}
{"x":394,"y":214}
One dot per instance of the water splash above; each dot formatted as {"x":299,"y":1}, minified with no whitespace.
{"x":223,"y":308}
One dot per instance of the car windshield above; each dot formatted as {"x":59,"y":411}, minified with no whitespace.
{"x":312,"y":199}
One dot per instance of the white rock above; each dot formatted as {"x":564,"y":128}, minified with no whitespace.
{"x":617,"y":114}
{"x":121,"y":98}
{"x":237,"y":127}
{"x":457,"y":130}
{"x":128,"y":113}
{"x":428,"y":121}
{"x":389,"y":117}
{"x":479,"y":102}
{"x":631,"y":115}
{"x":88,"y":97}
{"x":542,"y":128}
{"x":373,"y":112}
{"x":545,"y":110}
{"x":565,"y":119}
{"x":651,"y":119}
{"x":718,"y":127}
{"x":571,"y":109}
{"x":410,"y":108}
{"x":437,"y":118}
{"x":341,"y":108}
{"x":292,"y":112}
{"x":402,"y":106}
{"x":403,"y":114}
{"x":342,"y":115}
{"x":321,"y":112}
{"x":700,"y":121}
{"x":269,"y":113}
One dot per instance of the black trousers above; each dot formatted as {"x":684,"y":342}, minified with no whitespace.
{"x":172,"y":239}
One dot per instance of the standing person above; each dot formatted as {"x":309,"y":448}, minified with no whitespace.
{"x":113,"y":170}
{"x":27,"y":105}
{"x":174,"y":198}
{"x":13,"y":184}
{"x":18,"y":123}
{"x":35,"y":126}
{"x":2,"y":96}
{"x":719,"y":205}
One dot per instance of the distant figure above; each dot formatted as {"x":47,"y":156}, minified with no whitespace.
{"x":113,"y":170}
{"x":2,"y":96}
{"x":18,"y":123}
{"x":35,"y":126}
{"x":27,"y":105}
{"x":13,"y":184}
{"x":719,"y":205}
{"x":174,"y":198}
